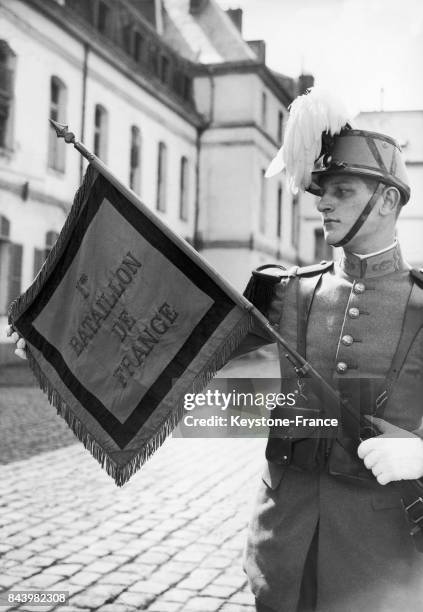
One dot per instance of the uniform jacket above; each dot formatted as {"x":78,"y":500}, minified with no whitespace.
{"x":366,"y":559}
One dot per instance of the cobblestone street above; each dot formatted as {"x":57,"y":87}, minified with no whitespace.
{"x":170,"y":540}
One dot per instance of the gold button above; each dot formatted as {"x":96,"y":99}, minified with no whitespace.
{"x":347,"y":340}
{"x":354,"y":313}
{"x":359,"y":288}
{"x":341,"y":367}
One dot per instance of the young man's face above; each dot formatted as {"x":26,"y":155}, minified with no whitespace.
{"x":343,"y":200}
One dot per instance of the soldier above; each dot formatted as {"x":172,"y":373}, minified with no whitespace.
{"x":328,"y":532}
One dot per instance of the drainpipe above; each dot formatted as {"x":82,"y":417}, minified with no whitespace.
{"x":198,"y":240}
{"x":212,"y":96}
{"x":83,"y":105}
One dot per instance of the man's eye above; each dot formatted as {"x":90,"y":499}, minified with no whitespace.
{"x":343,"y":192}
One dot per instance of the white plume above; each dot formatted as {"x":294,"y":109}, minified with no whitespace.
{"x":309,"y":115}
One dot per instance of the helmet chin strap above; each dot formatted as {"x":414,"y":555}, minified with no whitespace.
{"x":363,"y":216}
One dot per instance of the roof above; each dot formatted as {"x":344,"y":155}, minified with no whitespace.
{"x":207,"y":36}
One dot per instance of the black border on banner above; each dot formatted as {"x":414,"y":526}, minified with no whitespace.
{"x":123,"y":433}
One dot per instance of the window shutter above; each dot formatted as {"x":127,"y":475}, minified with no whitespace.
{"x":15,"y":271}
{"x":4,"y":228}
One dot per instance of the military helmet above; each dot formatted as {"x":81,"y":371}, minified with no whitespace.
{"x":361,"y":153}
{"x":319,"y":141}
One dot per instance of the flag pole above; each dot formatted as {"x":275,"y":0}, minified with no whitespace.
{"x":62,"y":131}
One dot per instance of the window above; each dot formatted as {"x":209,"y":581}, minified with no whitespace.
{"x":135,"y":159}
{"x":51,"y":238}
{"x":262,"y":215}
{"x":164,"y":69}
{"x":103,"y":17}
{"x":40,"y":255}
{"x":15,"y":270}
{"x":39,"y":259}
{"x":183,"y":190}
{"x":126,"y":34}
{"x":279,"y":212}
{"x":82,"y":7}
{"x":263,"y":110}
{"x":138,"y":50}
{"x":56,"y":147}
{"x":187,"y":87}
{"x":321,"y":249}
{"x":280,"y":127}
{"x":10,"y":267}
{"x":4,"y":262}
{"x":7,"y":68}
{"x":4,"y":228}
{"x":153,"y":59}
{"x":100,"y":132}
{"x":295,"y":221}
{"x":161,"y":177}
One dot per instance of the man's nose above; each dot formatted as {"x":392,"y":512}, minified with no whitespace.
{"x":325,"y":204}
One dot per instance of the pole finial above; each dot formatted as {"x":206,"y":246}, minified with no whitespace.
{"x":62,"y":131}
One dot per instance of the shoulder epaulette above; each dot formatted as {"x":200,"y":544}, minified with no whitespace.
{"x":417,"y":276}
{"x":323,"y":266}
{"x":261,"y":286}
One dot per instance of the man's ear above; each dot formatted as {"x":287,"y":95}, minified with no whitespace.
{"x":391,"y":199}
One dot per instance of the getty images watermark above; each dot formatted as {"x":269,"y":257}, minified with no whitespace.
{"x":247,"y":407}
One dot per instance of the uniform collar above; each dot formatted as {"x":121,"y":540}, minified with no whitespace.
{"x":373,"y":265}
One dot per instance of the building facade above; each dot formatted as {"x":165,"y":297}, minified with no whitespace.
{"x":169,"y":95}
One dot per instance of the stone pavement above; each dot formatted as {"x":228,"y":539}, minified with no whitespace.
{"x":29,"y":425}
{"x":170,"y":540}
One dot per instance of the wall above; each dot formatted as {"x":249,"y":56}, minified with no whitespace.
{"x":44,"y":49}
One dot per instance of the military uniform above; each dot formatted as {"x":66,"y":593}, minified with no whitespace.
{"x":364,"y":555}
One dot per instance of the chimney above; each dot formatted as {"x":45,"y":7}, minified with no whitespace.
{"x":304,"y":82}
{"x":236,"y":17}
{"x":259,"y":48}
{"x":158,"y":16}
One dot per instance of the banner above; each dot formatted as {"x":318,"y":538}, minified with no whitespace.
{"x":120,"y":323}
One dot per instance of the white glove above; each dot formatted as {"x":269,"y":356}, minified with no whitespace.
{"x":397,"y":454}
{"x":20,"y":342}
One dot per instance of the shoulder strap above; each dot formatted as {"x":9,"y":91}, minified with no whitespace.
{"x":413,"y":322}
{"x":320,"y":268}
{"x":308,"y":279}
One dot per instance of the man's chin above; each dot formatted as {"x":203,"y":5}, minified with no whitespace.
{"x":332,"y":238}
